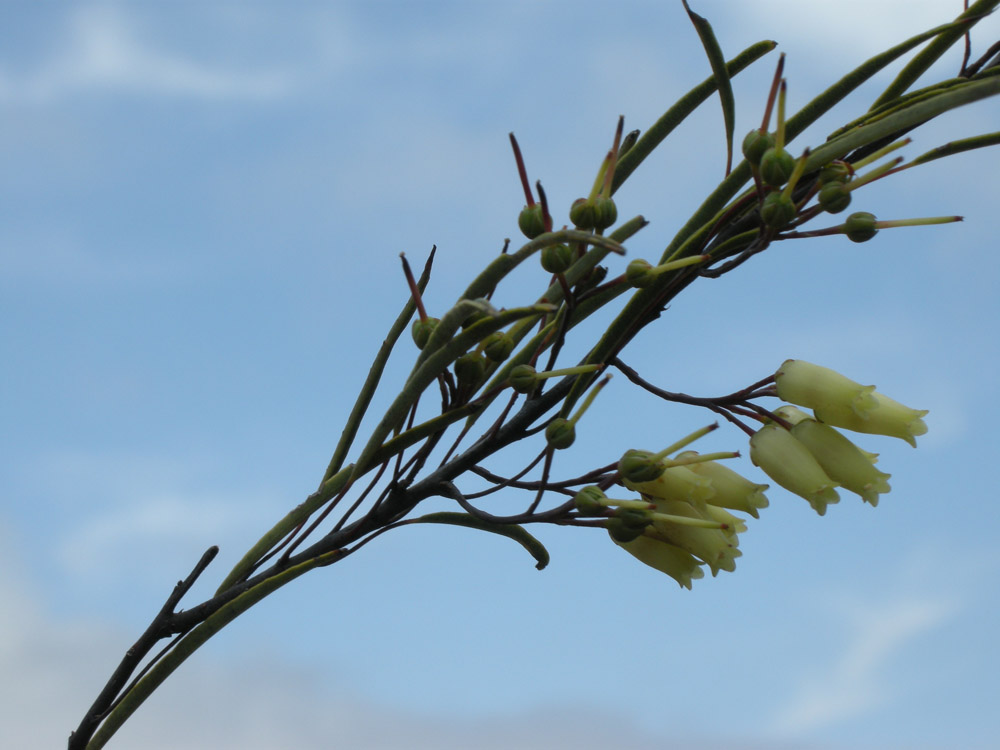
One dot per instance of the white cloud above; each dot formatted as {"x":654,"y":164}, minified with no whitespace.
{"x":856,"y":683}
{"x":103,"y":52}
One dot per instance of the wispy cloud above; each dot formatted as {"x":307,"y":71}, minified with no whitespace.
{"x":103,"y":52}
{"x":856,"y":683}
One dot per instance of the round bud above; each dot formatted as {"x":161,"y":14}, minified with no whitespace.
{"x":498,"y":346}
{"x":777,"y":210}
{"x":421,"y":331}
{"x":560,"y":433}
{"x":834,"y":197}
{"x":755,"y":144}
{"x":557,"y":258}
{"x":633,"y":519}
{"x":583,"y":213}
{"x":638,"y":273}
{"x":776,"y":166}
{"x":531,"y":221}
{"x":605,"y":213}
{"x":860,"y":226}
{"x":639,"y":466}
{"x":836,"y":171}
{"x":523,"y":378}
{"x":621,"y":532}
{"x":589,"y":500}
{"x":470,"y":369}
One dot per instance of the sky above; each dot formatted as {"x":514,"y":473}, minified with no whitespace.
{"x":203,"y":207}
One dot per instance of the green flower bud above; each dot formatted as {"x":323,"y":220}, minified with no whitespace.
{"x":634,"y":519}
{"x":860,"y":226}
{"x":639,"y":274}
{"x":639,"y":466}
{"x":789,"y":463}
{"x":777,"y":210}
{"x":838,"y":171}
{"x":531,"y":221}
{"x":560,"y":433}
{"x":834,"y":197}
{"x":557,"y":258}
{"x":605,"y":213}
{"x":523,"y":378}
{"x":755,"y":144}
{"x":621,"y":532}
{"x":498,"y":346}
{"x":470,"y":370}
{"x":590,"y":500}
{"x":583,"y":213}
{"x":421,"y":331}
{"x":776,"y":166}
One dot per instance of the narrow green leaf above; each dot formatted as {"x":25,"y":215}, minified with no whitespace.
{"x":350,"y":430}
{"x":509,"y":530}
{"x":904,"y":119}
{"x":679,"y":111}
{"x":930,"y":55}
{"x":718,"y":63}
{"x":957,"y":147}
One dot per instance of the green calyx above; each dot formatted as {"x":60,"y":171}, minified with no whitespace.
{"x":498,"y":346}
{"x":776,"y":166}
{"x":777,"y":210}
{"x":560,"y":433}
{"x":860,"y":226}
{"x":531,"y":221}
{"x":834,"y":197}
{"x":591,"y":500}
{"x":755,"y":144}
{"x":421,"y":331}
{"x":640,"y":466}
{"x":557,"y":258}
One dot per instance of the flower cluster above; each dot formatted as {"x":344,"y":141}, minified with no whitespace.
{"x":810,"y":458}
{"x":687,"y":522}
{"x":683,"y":520}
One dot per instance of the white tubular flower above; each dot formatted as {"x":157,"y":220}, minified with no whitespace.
{"x":732,"y":490}
{"x":806,"y":384}
{"x":888,"y":418}
{"x":675,"y":562}
{"x":842,"y":460}
{"x":677,"y":482}
{"x":717,"y":547}
{"x":789,"y":463}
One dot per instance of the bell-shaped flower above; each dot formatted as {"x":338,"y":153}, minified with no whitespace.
{"x":887,"y":418}
{"x":789,"y":463}
{"x":677,"y":482}
{"x":682,"y":566}
{"x":803,"y":383}
{"x":715,"y":546}
{"x":842,"y":460}
{"x":732,"y":490}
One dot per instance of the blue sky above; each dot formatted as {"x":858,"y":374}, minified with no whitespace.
{"x":203,"y":208}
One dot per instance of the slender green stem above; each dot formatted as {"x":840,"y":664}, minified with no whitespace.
{"x":350,"y":430}
{"x":194,"y":640}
